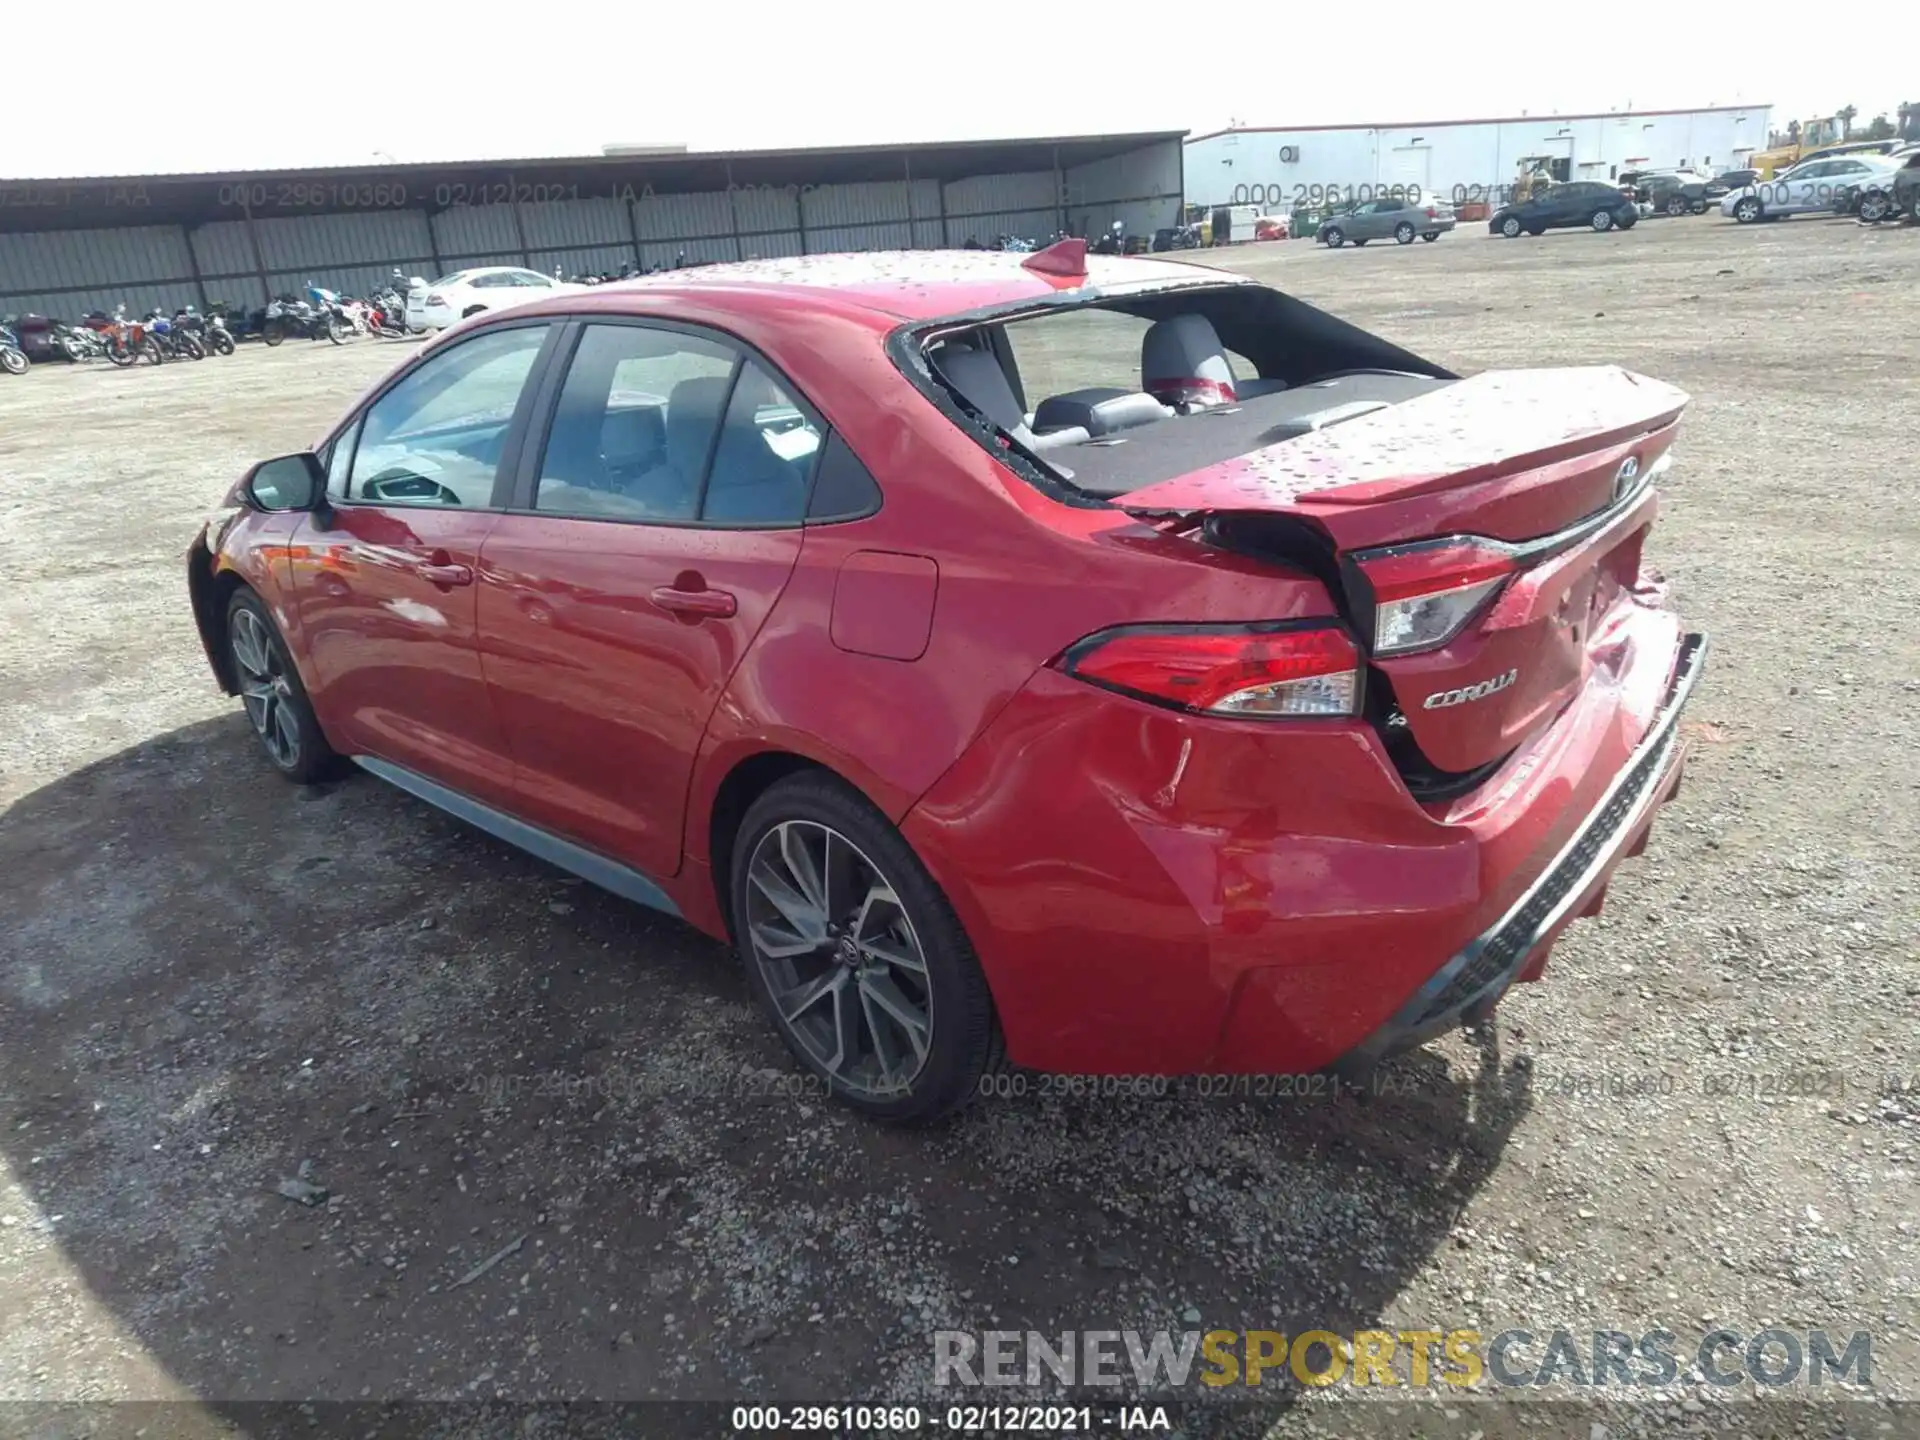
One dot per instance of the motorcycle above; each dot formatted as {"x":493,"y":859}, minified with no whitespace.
{"x":286,"y":316}
{"x":13,"y":359}
{"x":210,"y":331}
{"x":1112,"y":241}
{"x":339,"y":320}
{"x":33,"y":336}
{"x":175,"y":343}
{"x":77,"y":343}
{"x":124,"y":341}
{"x":387,"y":315}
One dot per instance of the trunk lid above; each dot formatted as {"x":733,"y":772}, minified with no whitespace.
{"x":1514,"y":502}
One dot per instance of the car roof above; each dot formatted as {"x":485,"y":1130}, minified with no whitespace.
{"x":905,"y":284}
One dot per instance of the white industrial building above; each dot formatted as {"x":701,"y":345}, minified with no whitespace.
{"x":1276,"y":167}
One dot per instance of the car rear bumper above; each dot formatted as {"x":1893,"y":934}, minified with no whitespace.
{"x":1153,"y":893}
{"x":1468,"y":986}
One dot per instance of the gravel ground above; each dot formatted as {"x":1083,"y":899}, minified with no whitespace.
{"x":211,"y":983}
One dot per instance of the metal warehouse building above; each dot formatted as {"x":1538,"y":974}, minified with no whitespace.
{"x":1460,"y":160}
{"x":71,"y":246}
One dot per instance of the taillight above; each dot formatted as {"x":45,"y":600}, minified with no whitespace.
{"x":1256,"y":671}
{"x":1432,"y":214}
{"x":1425,"y":594}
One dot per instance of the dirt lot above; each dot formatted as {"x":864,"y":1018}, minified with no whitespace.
{"x":209,"y":980}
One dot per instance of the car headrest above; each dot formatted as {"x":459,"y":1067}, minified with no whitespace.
{"x":1182,"y":358}
{"x":977,"y":376}
{"x":693,"y":413}
{"x":755,"y":390}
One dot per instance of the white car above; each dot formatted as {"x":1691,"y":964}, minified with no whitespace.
{"x":1810,"y":187}
{"x":452,"y":298}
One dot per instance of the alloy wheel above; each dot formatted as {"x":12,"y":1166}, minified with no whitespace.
{"x":840,"y":957}
{"x":265,"y":688}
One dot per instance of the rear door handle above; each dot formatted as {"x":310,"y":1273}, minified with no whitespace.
{"x":695,"y":602}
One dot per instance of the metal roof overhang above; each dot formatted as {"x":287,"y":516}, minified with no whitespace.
{"x":117,"y":200}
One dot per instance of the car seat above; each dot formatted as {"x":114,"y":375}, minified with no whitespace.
{"x":1183,"y":362}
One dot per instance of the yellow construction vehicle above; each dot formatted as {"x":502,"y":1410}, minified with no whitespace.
{"x":1810,"y":135}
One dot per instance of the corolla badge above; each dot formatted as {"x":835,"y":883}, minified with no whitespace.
{"x":1442,"y":699}
{"x":1624,"y":477}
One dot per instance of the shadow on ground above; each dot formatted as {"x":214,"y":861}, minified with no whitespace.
{"x":562,"y":1155}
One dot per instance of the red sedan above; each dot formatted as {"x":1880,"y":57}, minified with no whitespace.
{"x":1103,"y":665}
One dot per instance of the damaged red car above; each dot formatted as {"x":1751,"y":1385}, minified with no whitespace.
{"x":1104,"y":666}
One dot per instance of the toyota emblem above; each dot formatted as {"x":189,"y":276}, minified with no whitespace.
{"x":1624,"y":477}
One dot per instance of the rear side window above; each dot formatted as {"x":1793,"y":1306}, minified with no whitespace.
{"x":843,"y":488}
{"x":765,"y":455}
{"x":635,"y":425}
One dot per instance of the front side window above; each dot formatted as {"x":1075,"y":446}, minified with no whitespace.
{"x":340,"y":460}
{"x":436,"y":437}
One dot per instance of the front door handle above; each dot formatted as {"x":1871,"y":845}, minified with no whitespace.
{"x":439,"y":569}
{"x":695,"y":602}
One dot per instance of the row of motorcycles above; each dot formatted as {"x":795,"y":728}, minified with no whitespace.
{"x":1113,"y":241}
{"x":156,"y":338}
{"x":187,"y":334}
{"x":328,"y":315}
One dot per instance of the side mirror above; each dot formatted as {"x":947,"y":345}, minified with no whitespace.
{"x":287,"y":482}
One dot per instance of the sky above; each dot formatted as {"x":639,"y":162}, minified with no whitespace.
{"x":351,"y":83}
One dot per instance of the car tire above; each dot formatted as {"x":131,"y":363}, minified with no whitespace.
{"x":1358,"y":242}
{"x":924,"y":1005}
{"x":1699,"y":207}
{"x":471,"y":311}
{"x":1677,"y":206}
{"x":1403,"y":233}
{"x":1536,"y":230}
{"x":1431,"y":236}
{"x":1601,"y":221}
{"x":275,"y":700}
{"x":1335,"y":238}
{"x":1511,"y":227}
{"x":1874,"y":207}
{"x":1747,"y":210}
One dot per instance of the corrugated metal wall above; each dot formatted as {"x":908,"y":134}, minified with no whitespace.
{"x":69,"y":272}
{"x":1141,"y":188}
